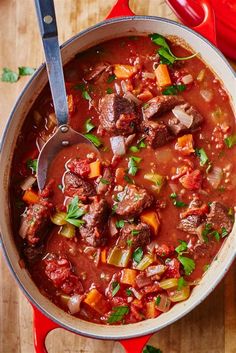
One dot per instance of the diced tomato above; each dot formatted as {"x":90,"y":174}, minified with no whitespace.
{"x":79,"y":166}
{"x":165,"y":250}
{"x":185,"y":144}
{"x":173,"y":267}
{"x":192,"y":181}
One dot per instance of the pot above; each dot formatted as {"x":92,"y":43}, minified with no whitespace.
{"x":47,"y":316}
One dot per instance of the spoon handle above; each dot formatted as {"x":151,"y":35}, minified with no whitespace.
{"x":48,"y":28}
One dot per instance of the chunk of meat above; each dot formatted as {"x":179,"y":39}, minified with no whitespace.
{"x":79,"y":167}
{"x":117,"y":114}
{"x":157,"y":133}
{"x":190,"y":224}
{"x":94,"y":231}
{"x":142,"y":280}
{"x":133,"y":200}
{"x":59,"y":271}
{"x":34,"y":222}
{"x":159,"y":105}
{"x":75,"y":186}
{"x":105,"y":182}
{"x":96,"y":71}
{"x":33,"y":253}
{"x":134,"y":235}
{"x":218,"y":217}
{"x":194,"y":217}
{"x":177,"y":128}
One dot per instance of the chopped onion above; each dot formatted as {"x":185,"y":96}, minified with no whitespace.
{"x":118,"y":145}
{"x":112,"y":227}
{"x":137,"y":294}
{"x":182,"y":116}
{"x":129,"y":140}
{"x":74,"y":303}
{"x":151,"y":246}
{"x":187,"y":79}
{"x":23,"y":227}
{"x":131,"y":97}
{"x":117,"y":88}
{"x":215,"y":176}
{"x":207,"y":95}
{"x":28,"y":182}
{"x":155,"y":270}
{"x":123,"y":86}
{"x":164,"y":303}
{"x":150,"y":75}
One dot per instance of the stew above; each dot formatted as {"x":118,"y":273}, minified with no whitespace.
{"x":121,"y":237}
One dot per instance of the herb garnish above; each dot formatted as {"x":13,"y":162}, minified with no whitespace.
{"x":188,"y":264}
{"x":158,"y":300}
{"x":86,"y":95}
{"x":230,"y":141}
{"x":118,"y":313}
{"x":32,"y":164}
{"x":25,"y":70}
{"x":202,"y":155}
{"x":224,"y":232}
{"x":10,"y":76}
{"x":129,"y":292}
{"x":138,"y":255}
{"x":120,"y":223}
{"x":176,"y":202}
{"x":74,"y":212}
{"x":173,"y":90}
{"x":94,"y":139}
{"x":181,"y":283}
{"x":115,"y":288}
{"x":104,"y":181}
{"x":182,"y":247}
{"x":133,"y":165}
{"x":109,"y":90}
{"x":135,"y":231}
{"x":151,"y":349}
{"x":88,"y":125}
{"x":111,"y":78}
{"x":140,"y":144}
{"x":166,"y":55}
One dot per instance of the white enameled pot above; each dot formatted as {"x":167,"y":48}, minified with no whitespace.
{"x":111,"y":28}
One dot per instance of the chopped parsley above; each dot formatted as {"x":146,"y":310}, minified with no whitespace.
{"x":224,"y":232}
{"x":216,"y":235}
{"x":138,"y":255}
{"x":115,"y":288}
{"x":129,"y":242}
{"x":74,"y":212}
{"x":109,"y":90}
{"x":151,"y":349}
{"x":88,"y":125}
{"x":128,"y":179}
{"x":94,"y":139}
{"x":118,"y":313}
{"x":86,"y":95}
{"x":32,"y":164}
{"x":25,"y":70}
{"x":230,"y":141}
{"x":140,"y":144}
{"x":173,"y":90}
{"x":176,"y":202}
{"x":135,"y":231}
{"x":158,"y":300}
{"x":120,"y":223}
{"x":173,"y":195}
{"x":9,"y":76}
{"x":188,"y":264}
{"x":133,"y":165}
{"x":111,"y":78}
{"x":182,"y":247}
{"x":134,"y":149}
{"x":202,"y":156}
{"x":206,"y":231}
{"x":129,"y":292}
{"x":104,"y":181}
{"x":181,"y":283}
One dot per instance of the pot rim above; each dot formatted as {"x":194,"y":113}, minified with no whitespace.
{"x":29,"y":296}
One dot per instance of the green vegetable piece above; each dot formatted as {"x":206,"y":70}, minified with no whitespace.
{"x":134,"y":149}
{"x":119,"y":257}
{"x":188,"y":264}
{"x":173,"y":195}
{"x":138,"y":255}
{"x":230,"y":141}
{"x":224,"y":232}
{"x":118,"y":313}
{"x":207,"y":229}
{"x":25,"y":71}
{"x":128,"y":179}
{"x":9,"y":76}
{"x":111,"y":78}
{"x":182,"y":247}
{"x":94,"y":139}
{"x":129,"y":292}
{"x":179,"y":204}
{"x":133,"y":165}
{"x":60,"y":187}
{"x":115,"y":288}
{"x":88,"y":126}
{"x":181,"y":283}
{"x":216,"y":235}
{"x":74,"y":212}
{"x":158,"y":300}
{"x":86,"y":95}
{"x":151,"y":349}
{"x":109,"y":90}
{"x":156,"y":179}
{"x":120,"y":223}
{"x":32,"y":164}
{"x":135,"y":231}
{"x":173,"y":90}
{"x":104,"y":181}
{"x":202,"y":155}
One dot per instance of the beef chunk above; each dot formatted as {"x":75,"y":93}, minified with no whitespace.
{"x":175,"y":125}
{"x":133,"y":200}
{"x":117,"y":114}
{"x":32,"y":253}
{"x":193,"y":217}
{"x":96,"y":71}
{"x":94,"y":231}
{"x":159,"y":105}
{"x":59,"y":271}
{"x":218,"y":217}
{"x":134,"y":235}
{"x":34,"y":221}
{"x":104,"y":184}
{"x":79,"y":167}
{"x":142,"y":280}
{"x":157,"y":133}
{"x":75,"y":186}
{"x":190,"y":224}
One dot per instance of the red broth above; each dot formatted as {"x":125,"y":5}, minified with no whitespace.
{"x":187,"y":183}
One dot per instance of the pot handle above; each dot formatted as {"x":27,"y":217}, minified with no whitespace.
{"x":121,"y":8}
{"x":135,"y":345}
{"x":41,"y":327}
{"x":198,"y":15}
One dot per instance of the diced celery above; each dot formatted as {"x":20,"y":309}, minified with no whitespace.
{"x":145,"y":262}
{"x":156,"y":179}
{"x":59,"y":218}
{"x":68,"y":230}
{"x":119,"y":257}
{"x":180,"y":295}
{"x":169,"y":283}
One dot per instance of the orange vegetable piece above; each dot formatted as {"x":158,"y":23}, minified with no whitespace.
{"x":151,"y":218}
{"x":128,"y":276}
{"x":95,"y":169}
{"x":151,"y":311}
{"x":145,"y":96}
{"x":162,"y":75}
{"x":71,"y":103}
{"x":185,"y":144}
{"x":96,"y":301}
{"x":124,"y":71}
{"x":104,"y":256}
{"x":30,"y":197}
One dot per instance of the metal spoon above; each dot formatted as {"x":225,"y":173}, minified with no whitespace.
{"x":64,"y":135}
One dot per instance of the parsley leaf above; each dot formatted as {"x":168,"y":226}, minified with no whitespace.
{"x":88,"y":125}
{"x":135,"y":231}
{"x":230,"y":141}
{"x":133,"y":165}
{"x":115,"y":288}
{"x":178,"y":203}
{"x":118,"y":313}
{"x":9,"y":76}
{"x":134,"y":149}
{"x":25,"y":70}
{"x":173,"y":195}
{"x":94,"y":139}
{"x":86,"y":95}
{"x":216,"y":235}
{"x":188,"y":264}
{"x":120,"y":223}
{"x":129,"y":292}
{"x":74,"y":212}
{"x":109,"y":90}
{"x":32,"y":164}
{"x":111,"y":78}
{"x":173,"y":90}
{"x":182,"y":247}
{"x":158,"y":300}
{"x":104,"y":181}
{"x":202,"y":155}
{"x":151,"y":349}
{"x":224,"y":232}
{"x":181,"y":283}
{"x":205,"y":232}
{"x":138,"y":255}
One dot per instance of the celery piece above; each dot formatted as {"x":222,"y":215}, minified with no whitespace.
{"x":145,"y":262}
{"x":119,"y":257}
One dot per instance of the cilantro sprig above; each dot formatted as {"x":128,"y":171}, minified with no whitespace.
{"x":118,"y":313}
{"x":74,"y":212}
{"x":133,"y":165}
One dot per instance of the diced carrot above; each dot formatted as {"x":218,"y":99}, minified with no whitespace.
{"x":96,"y":301}
{"x":30,"y":196}
{"x":162,"y":75}
{"x":71,"y":104}
{"x":151,"y":218}
{"x":104,"y":256}
{"x":124,"y":71}
{"x":145,"y":96}
{"x":95,"y":169}
{"x":185,"y":144}
{"x":128,"y":276}
{"x":151,"y":311}
{"x":120,"y":176}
